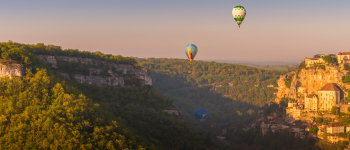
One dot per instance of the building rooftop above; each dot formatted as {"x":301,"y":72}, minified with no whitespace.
{"x":344,"y":53}
{"x":330,"y":87}
{"x":311,"y":95}
{"x":313,"y":58}
{"x":335,"y":124}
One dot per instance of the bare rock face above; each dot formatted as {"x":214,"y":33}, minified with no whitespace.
{"x":177,"y":112}
{"x":48,"y":59}
{"x":142,"y":74}
{"x":99,"y":81}
{"x":311,"y":78}
{"x":11,"y":70}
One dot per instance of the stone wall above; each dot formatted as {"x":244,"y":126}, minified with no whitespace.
{"x":128,"y":71}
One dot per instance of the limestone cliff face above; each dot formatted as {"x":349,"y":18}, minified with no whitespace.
{"x":126,"y":71}
{"x":312,"y":79}
{"x":11,"y":70}
{"x":177,"y":112}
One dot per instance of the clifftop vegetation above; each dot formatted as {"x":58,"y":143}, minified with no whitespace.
{"x":24,"y":53}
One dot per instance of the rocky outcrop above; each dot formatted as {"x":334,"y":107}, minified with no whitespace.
{"x":177,"y":112}
{"x":11,"y":70}
{"x":126,"y":71}
{"x":311,"y":78}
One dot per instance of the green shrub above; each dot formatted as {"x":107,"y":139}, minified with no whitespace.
{"x":329,"y":60}
{"x":346,"y":79}
{"x":284,"y":101}
{"x":322,"y":67}
{"x":302,"y":65}
{"x":288,"y":83}
{"x":335,"y":110}
{"x":319,"y":120}
{"x":314,"y":130}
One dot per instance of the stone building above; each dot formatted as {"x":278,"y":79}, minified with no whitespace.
{"x":335,"y":127}
{"x":347,"y":128}
{"x":328,"y":96}
{"x":343,"y":57}
{"x":311,"y":102}
{"x":312,"y":61}
{"x":334,"y":138}
{"x":301,"y":89}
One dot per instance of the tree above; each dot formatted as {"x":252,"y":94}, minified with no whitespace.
{"x":335,"y":110}
{"x":5,"y":56}
{"x":319,"y":120}
{"x":313,"y":130}
{"x":250,"y":111}
{"x":208,"y":140}
{"x":302,"y":65}
{"x":239,"y":113}
{"x":328,"y":59}
{"x":284,"y":101}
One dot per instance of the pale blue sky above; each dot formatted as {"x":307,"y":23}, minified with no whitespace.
{"x":274,"y":30}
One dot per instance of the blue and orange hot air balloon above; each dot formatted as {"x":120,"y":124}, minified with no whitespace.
{"x":201,"y":115}
{"x":191,"y":51}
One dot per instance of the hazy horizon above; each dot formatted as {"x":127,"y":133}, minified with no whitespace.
{"x":281,"y":31}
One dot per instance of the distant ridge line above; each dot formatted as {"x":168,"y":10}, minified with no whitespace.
{"x":256,"y":63}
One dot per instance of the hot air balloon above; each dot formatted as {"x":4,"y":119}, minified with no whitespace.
{"x":201,"y":115}
{"x":239,"y":13}
{"x":191,"y":51}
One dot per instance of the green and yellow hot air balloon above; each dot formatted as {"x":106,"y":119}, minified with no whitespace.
{"x":239,"y":13}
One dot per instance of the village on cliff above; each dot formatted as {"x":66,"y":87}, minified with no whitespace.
{"x":315,"y":100}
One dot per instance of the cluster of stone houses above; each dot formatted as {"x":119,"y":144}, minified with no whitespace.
{"x":302,"y":128}
{"x":253,"y":124}
{"x":273,"y":123}
{"x":331,"y":130}
{"x":327,"y":97}
{"x":343,"y":58}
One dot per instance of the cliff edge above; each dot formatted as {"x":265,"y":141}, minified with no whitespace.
{"x":96,"y":72}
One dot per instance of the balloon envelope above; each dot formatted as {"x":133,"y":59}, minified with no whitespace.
{"x":201,"y":115}
{"x":191,"y":51}
{"x":239,"y":14}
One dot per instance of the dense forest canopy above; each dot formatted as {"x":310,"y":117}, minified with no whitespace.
{"x":41,"y":110}
{"x":237,"y":82}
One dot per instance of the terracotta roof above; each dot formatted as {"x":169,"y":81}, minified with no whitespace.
{"x":318,"y":124}
{"x":335,"y":124}
{"x":311,"y":95}
{"x":330,"y":87}
{"x":310,"y":126}
{"x":344,"y":53}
